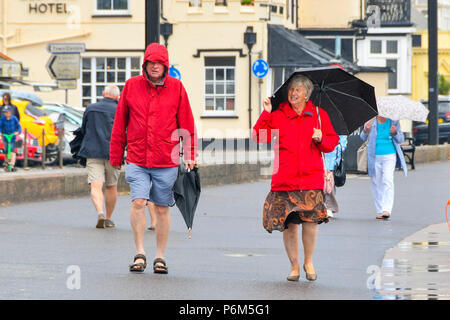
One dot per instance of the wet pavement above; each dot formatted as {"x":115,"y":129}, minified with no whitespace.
{"x":418,"y":267}
{"x":230,"y":255}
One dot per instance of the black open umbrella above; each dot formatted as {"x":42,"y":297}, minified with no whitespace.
{"x":349,"y":101}
{"x":187,"y":193}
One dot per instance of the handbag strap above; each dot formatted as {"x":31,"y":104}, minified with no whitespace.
{"x":319,"y":122}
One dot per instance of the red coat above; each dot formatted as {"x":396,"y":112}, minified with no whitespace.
{"x":298,"y":161}
{"x":147,"y":117}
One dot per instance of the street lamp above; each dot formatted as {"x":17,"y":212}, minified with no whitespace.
{"x":166,"y":30}
{"x":249,"y":40}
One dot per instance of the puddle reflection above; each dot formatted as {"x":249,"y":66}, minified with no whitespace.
{"x":399,"y":279}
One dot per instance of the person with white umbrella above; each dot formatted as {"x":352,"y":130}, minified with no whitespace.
{"x":385,"y":136}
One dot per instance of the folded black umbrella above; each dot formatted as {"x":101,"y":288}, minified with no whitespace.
{"x":349,"y":101}
{"x":75,"y":146}
{"x":187,"y":193}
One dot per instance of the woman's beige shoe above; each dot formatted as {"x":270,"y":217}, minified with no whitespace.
{"x":310,"y":276}
{"x":293,"y":278}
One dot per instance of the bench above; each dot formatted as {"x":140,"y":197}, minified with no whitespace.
{"x":409,"y":148}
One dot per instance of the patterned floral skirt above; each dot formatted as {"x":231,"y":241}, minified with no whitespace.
{"x":283,"y":207}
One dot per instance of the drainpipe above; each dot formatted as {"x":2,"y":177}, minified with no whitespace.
{"x":162,"y":10}
{"x":5,"y":50}
{"x":360,"y":30}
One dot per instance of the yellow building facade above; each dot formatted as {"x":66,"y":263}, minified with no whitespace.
{"x":420,"y":62}
{"x":206,"y":46}
{"x":115,"y":43}
{"x":330,"y":13}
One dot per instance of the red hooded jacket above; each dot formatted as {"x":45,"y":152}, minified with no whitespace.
{"x":148,"y":118}
{"x":298,"y":161}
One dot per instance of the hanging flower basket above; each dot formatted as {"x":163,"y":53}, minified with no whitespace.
{"x":247,"y":2}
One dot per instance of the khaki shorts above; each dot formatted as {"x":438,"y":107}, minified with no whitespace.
{"x":100,"y":170}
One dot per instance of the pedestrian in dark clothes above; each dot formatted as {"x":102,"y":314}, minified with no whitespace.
{"x":96,"y":129}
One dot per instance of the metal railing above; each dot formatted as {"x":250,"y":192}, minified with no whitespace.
{"x":44,"y":154}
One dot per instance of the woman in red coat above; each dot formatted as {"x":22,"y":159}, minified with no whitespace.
{"x":302,"y":133}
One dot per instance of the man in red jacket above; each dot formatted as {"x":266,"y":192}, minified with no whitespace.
{"x":152,"y":115}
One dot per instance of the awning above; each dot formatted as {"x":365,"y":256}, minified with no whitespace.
{"x":289,"y":49}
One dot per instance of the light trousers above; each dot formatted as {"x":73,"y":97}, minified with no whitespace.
{"x":383,"y":182}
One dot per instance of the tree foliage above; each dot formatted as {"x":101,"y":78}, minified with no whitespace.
{"x":444,"y":85}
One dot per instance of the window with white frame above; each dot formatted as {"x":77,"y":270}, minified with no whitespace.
{"x":111,"y":7}
{"x":220,"y":86}
{"x":99,"y":72}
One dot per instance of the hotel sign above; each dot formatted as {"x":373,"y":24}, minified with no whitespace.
{"x":47,"y":7}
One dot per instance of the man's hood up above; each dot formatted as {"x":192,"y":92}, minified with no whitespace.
{"x":156,"y":52}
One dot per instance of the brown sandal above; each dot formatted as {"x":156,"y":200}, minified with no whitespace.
{"x":101,"y":221}
{"x":138,"y":267}
{"x":161,"y":268}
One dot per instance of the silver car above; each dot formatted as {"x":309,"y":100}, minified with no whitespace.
{"x":65,"y":116}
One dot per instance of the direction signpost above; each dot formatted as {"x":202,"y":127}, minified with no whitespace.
{"x":63,"y":47}
{"x":64,"y":64}
{"x":67,"y":84}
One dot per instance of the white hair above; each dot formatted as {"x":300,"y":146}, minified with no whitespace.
{"x":303,"y":81}
{"x":112,"y":90}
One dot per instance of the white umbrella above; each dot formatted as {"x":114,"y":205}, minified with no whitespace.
{"x":399,"y":107}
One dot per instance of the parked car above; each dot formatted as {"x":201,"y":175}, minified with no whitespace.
{"x":73,"y":118}
{"x":23,"y":95}
{"x":420,"y":129}
{"x":443,"y":109}
{"x":64,"y":105}
{"x":35,"y":119}
{"x":420,"y":133}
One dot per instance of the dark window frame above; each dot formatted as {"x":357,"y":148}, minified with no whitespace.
{"x":392,"y":76}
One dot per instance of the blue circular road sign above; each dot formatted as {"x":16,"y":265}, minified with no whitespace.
{"x":260,"y":68}
{"x":174,"y":72}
